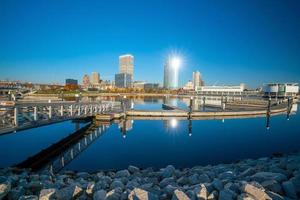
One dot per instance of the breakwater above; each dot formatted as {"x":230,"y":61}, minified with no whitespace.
{"x":276,"y":177}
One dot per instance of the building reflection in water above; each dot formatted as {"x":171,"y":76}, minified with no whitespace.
{"x":124,"y":126}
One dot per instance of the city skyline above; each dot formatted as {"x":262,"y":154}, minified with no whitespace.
{"x":253,"y":42}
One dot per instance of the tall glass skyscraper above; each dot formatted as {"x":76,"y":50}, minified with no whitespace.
{"x":171,"y":73}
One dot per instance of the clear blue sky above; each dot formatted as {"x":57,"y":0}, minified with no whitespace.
{"x":228,"y":41}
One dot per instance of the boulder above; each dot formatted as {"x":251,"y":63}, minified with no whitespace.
{"x":245,"y":196}
{"x":16,"y":193}
{"x":70,"y":192}
{"x":132,"y":184}
{"x":168,"y":171}
{"x":226,"y":194}
{"x":217,"y":184}
{"x":140,"y":194}
{"x":248,"y":172}
{"x":179,"y":195}
{"x":29,"y":197}
{"x":4,"y":189}
{"x":289,"y":189}
{"x":117,"y":183}
{"x":99,"y":195}
{"x":114,"y":194}
{"x":122,"y":173}
{"x":169,"y":189}
{"x":263,"y":176}
{"x":204,"y":178}
{"x":183,"y":180}
{"x":272,"y":185}
{"x":89,"y":188}
{"x":213,"y":196}
{"x":46,"y":194}
{"x":133,"y":169}
{"x":228,"y":175}
{"x":167,"y":181}
{"x":255,"y":191}
{"x":201,"y":192}
{"x":296,"y":182}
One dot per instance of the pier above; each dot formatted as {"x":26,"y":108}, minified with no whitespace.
{"x":30,"y":115}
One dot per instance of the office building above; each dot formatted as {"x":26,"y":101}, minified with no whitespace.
{"x":126,"y":64}
{"x":139,"y":84}
{"x":123,"y":80}
{"x":171,"y":73}
{"x":281,"y":89}
{"x":197,"y":79}
{"x":148,"y":86}
{"x":95,"y":78}
{"x":70,"y":81}
{"x":86,"y":81}
{"x":221,"y":90}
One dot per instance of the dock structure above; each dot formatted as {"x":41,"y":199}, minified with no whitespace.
{"x":173,"y":112}
{"x":30,"y":115}
{"x":58,"y":155}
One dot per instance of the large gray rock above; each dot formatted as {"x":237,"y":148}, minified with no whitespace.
{"x":103,"y":183}
{"x":122,"y":173}
{"x":169,"y":189}
{"x":248,"y":172}
{"x":263,"y":176}
{"x":83,"y":175}
{"x":132,"y":184}
{"x":289,"y":189}
{"x":245,"y":196}
{"x":114,"y":194}
{"x":168,"y":171}
{"x":183,"y":180}
{"x":117,"y":183}
{"x":140,"y":194}
{"x":217,"y":184}
{"x":167,"y":181}
{"x":47,"y":194}
{"x":70,"y":192}
{"x":4,"y":189}
{"x":29,"y":197}
{"x":133,"y":169}
{"x":90,"y":188}
{"x":226,"y":194}
{"x":179,"y":195}
{"x":16,"y":193}
{"x":255,"y":191}
{"x":228,"y":175}
{"x":213,"y":196}
{"x":201,"y":192}
{"x":99,"y":195}
{"x":296,"y":182}
{"x":272,"y":185}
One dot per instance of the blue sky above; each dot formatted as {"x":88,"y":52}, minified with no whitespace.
{"x":228,"y":41}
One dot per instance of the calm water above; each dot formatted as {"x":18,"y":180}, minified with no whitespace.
{"x":158,"y":143}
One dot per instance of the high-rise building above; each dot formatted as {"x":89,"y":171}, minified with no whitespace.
{"x":95,"y":78}
{"x":126,"y":64}
{"x":86,"y":81}
{"x":70,"y":81}
{"x":197,"y":79}
{"x":123,"y":80}
{"x":171,"y":73}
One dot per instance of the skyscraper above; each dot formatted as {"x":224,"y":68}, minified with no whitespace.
{"x":126,"y":64}
{"x":196,"y":79}
{"x":171,"y":73}
{"x":123,"y":80}
{"x":85,"y":80}
{"x":95,"y":78}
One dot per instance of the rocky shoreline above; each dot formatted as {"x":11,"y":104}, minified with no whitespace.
{"x":265,"y":178}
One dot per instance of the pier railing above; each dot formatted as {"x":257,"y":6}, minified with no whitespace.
{"x":29,"y":115}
